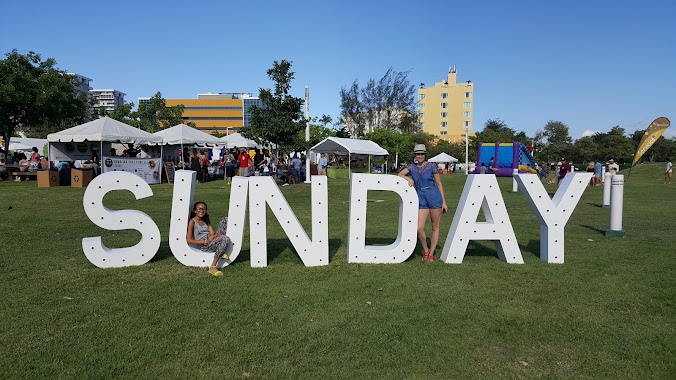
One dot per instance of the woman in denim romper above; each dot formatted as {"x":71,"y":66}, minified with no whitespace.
{"x":431,"y":201}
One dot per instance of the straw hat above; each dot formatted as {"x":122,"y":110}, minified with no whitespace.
{"x":419,"y":148}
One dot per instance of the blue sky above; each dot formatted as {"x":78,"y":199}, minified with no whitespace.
{"x":591,"y":64}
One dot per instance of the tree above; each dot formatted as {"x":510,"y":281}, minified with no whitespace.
{"x":558,"y":141}
{"x":325,"y":120}
{"x":387,"y":103}
{"x":155,"y":115}
{"x":392,"y":141}
{"x":317,"y":134}
{"x":585,"y":149}
{"x":343,"y":133}
{"x":495,"y":131}
{"x":35,"y":96}
{"x":281,"y":119}
{"x":123,"y":113}
{"x":614,"y":144}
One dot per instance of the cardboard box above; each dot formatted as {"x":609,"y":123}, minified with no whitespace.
{"x":80,"y":178}
{"x":48,"y":178}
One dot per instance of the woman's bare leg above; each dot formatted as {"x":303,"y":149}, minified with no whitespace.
{"x":436,"y":217}
{"x":422,"y":218}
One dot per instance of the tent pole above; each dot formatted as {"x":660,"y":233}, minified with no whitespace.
{"x":349,"y":165}
{"x":369,"y":164}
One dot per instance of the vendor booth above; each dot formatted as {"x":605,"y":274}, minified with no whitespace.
{"x":236,"y":140}
{"x":180,"y":137}
{"x":95,"y":138}
{"x":348,"y":147}
{"x":444,"y":158}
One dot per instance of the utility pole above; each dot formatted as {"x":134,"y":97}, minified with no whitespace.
{"x":466,"y":151}
{"x":307,"y":134}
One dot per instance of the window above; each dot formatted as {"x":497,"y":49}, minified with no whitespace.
{"x":421,"y":115}
{"x":444,"y":105}
{"x":467,"y":124}
{"x":444,"y":132}
{"x":444,"y":95}
{"x":468,"y":94}
{"x":444,"y":114}
{"x":444,"y":124}
{"x":467,"y":114}
{"x":467,"y":104}
{"x":421,"y":106}
{"x":421,"y":96}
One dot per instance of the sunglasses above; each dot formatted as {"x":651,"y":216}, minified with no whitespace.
{"x":200,"y":209}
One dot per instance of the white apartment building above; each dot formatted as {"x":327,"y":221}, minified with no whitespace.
{"x":82,"y":84}
{"x":107,"y":98}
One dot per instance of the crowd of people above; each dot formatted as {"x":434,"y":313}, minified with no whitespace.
{"x":287,"y":169}
{"x":30,"y":163}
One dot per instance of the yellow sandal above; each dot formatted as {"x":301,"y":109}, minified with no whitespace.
{"x":218,"y":273}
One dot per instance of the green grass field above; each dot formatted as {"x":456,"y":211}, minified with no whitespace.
{"x":608,"y":312}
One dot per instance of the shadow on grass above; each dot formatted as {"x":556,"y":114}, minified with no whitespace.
{"x":278,"y":246}
{"x":417,"y":253}
{"x":533,"y":247}
{"x":483,"y":248}
{"x":600,"y":231}
{"x":275,"y":248}
{"x":163,"y":253}
{"x":595,"y":204}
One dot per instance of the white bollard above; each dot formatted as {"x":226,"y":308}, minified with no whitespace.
{"x":603,"y":174}
{"x":572,"y":169}
{"x":515,"y":185}
{"x":616,"y":200}
{"x":606,"y":190}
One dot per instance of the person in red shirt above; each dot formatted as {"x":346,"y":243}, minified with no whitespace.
{"x":35,"y":156}
{"x":243,"y":163}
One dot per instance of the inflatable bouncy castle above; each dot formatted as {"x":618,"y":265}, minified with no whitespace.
{"x":507,"y":157}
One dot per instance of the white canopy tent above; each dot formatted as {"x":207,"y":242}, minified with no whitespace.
{"x":27,"y":143}
{"x":443,"y":157}
{"x":343,"y":146}
{"x":15,"y":145}
{"x":236,"y":140}
{"x":182,"y":134}
{"x":103,"y":130}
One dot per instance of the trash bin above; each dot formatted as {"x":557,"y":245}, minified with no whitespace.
{"x":48,"y":178}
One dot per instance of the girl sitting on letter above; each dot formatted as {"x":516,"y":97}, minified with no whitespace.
{"x":201,"y":235}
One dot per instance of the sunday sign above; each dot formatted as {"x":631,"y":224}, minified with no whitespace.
{"x":481,"y":193}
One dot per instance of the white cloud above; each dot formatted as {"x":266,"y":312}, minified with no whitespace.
{"x":589,"y":132}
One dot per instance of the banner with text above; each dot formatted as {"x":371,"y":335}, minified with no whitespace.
{"x":72,"y":151}
{"x":146,"y":168}
{"x":654,"y":131}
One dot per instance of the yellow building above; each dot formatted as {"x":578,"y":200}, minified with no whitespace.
{"x":445,"y":110}
{"x":221,"y":112}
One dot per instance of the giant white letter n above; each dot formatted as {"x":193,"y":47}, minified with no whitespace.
{"x":263,"y":190}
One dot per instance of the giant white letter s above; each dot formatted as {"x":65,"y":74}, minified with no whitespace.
{"x":103,"y":217}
